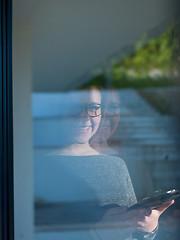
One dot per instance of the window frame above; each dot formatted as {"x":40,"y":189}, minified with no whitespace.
{"x":6,"y":124}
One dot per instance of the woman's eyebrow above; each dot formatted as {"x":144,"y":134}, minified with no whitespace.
{"x":94,"y":103}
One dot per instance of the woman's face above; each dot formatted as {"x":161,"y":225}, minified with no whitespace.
{"x":83,"y":116}
{"x":110,"y":117}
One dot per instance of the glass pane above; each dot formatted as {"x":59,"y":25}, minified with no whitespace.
{"x":96,"y":120}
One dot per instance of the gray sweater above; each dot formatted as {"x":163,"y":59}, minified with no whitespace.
{"x":89,"y":184}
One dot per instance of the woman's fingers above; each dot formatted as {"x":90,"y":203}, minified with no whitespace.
{"x":145,"y":219}
{"x":147,"y":211}
{"x":162,"y":208}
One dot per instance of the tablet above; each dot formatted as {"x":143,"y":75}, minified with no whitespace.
{"x":158,"y":199}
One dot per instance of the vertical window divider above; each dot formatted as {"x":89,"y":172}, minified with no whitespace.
{"x":6,"y":123}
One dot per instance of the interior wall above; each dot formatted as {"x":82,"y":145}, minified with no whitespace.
{"x":23,"y":159}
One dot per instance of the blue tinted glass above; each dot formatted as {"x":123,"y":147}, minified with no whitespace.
{"x":97,"y":119}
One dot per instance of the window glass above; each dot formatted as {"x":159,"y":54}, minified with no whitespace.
{"x":96,"y":120}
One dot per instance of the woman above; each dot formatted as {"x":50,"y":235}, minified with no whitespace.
{"x":109,"y":122}
{"x":92,"y":189}
{"x":109,"y":140}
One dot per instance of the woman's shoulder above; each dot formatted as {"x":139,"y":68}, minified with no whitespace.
{"x":113,"y":158}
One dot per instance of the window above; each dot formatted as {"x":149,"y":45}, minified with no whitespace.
{"x":94,"y":131}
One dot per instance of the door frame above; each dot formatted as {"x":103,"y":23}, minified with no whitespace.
{"x":6,"y":124}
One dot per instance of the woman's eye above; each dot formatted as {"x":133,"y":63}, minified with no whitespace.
{"x":94,"y":108}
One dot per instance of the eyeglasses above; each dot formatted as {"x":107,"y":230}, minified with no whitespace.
{"x":93,"y":110}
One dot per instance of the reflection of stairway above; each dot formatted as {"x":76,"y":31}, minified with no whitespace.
{"x":132,"y":104}
{"x":155,"y":141}
{"x":145,"y":138}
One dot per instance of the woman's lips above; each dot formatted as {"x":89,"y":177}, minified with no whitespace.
{"x":83,"y":129}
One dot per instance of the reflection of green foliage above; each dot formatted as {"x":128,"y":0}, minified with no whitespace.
{"x":159,"y":54}
{"x":140,"y":44}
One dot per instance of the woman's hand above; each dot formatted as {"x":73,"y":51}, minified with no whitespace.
{"x":145,"y":220}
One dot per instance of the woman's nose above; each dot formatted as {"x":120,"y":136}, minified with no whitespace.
{"x":84,"y":113}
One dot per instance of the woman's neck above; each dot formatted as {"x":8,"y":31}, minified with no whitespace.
{"x":77,"y":150}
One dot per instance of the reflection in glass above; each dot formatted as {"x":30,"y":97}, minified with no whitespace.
{"x":105,"y":112}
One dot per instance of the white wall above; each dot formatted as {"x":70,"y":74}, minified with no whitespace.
{"x":23,"y":159}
